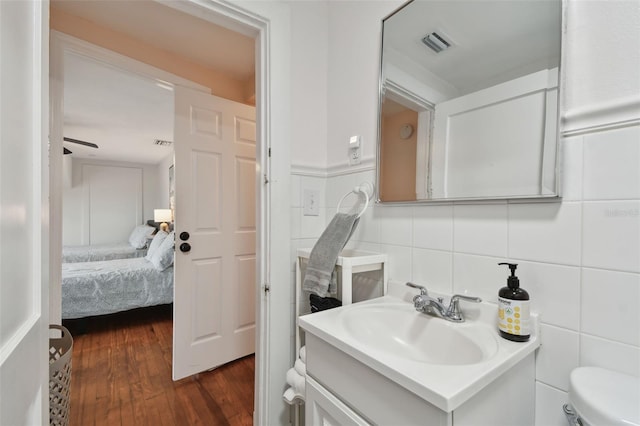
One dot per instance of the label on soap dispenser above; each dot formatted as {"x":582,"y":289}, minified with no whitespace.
{"x":513,"y":316}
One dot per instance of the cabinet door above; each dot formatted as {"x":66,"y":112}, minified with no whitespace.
{"x":323,"y":408}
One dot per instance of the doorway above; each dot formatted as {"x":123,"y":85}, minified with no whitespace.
{"x":55,"y":178}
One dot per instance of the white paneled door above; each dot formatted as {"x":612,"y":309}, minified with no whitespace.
{"x":24,"y":316}
{"x":215,"y":223}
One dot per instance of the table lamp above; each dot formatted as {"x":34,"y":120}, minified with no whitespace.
{"x":163,"y":216}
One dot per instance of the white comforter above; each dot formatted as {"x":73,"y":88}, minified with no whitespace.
{"x":97,"y":252}
{"x":98,"y":288}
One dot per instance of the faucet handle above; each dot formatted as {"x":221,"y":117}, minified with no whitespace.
{"x":423,"y":290}
{"x":454,"y":311}
{"x":456,"y":297}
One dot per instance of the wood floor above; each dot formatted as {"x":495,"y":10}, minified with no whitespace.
{"x":121,"y":375}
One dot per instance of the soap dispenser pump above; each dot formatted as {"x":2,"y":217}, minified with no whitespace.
{"x":513,"y":309}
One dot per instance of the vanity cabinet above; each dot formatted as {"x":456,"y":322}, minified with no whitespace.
{"x":342,"y":390}
{"x":323,"y":408}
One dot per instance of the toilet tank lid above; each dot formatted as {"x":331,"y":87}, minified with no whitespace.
{"x":605,"y":397}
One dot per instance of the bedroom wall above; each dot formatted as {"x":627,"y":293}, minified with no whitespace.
{"x":220,"y":84}
{"x":163,"y":183}
{"x":76,"y":222}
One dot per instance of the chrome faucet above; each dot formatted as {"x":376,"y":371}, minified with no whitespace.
{"x":428,"y":305}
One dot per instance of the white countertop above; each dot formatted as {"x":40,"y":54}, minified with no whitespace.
{"x":445,"y":386}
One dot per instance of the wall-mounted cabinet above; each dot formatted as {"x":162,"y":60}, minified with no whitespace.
{"x":360,"y":275}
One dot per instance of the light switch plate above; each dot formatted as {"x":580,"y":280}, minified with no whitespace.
{"x":311,"y":203}
{"x":354,"y":156}
{"x":355,"y":150}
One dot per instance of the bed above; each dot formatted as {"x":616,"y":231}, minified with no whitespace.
{"x":73,"y":254}
{"x":135,"y":247}
{"x":110,"y":286}
{"x":106,"y":287}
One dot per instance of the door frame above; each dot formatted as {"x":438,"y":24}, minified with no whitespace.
{"x":236,"y":19}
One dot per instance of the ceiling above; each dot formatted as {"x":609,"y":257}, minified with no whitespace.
{"x":492,"y":40}
{"x":121,"y":112}
{"x":124,"y":113}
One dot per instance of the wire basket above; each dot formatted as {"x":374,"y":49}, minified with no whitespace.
{"x":60,"y":350}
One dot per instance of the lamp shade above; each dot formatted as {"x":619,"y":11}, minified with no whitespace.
{"x":162,"y":215}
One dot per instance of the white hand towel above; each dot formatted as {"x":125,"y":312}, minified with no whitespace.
{"x":295,"y":380}
{"x":291,"y":397}
{"x":300,"y":367}
{"x":300,"y":385}
{"x":303,"y":354}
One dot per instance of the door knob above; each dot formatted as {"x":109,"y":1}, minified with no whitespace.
{"x":184,"y":236}
{"x":185,"y":247}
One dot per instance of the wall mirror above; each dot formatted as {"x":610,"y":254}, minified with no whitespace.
{"x":469,"y":100}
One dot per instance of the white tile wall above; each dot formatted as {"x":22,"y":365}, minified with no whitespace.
{"x":571,"y":184}
{"x":609,"y":293}
{"x":545,"y":232}
{"x":399,"y":261}
{"x":395,"y":225}
{"x":611,"y":236}
{"x":598,"y":352}
{"x":433,"y":227}
{"x":296,"y":192}
{"x":433,"y":269}
{"x":555,"y":291}
{"x":296,"y":223}
{"x":316,"y":184}
{"x":479,"y":276}
{"x":312,"y":226}
{"x":368,"y":229}
{"x":575,"y":256}
{"x":557,"y":356}
{"x":612,"y":165}
{"x":549,"y":402}
{"x":480,"y":229}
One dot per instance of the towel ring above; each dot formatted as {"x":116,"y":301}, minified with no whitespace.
{"x":364,"y":189}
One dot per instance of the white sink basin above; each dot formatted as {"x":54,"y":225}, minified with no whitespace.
{"x":442,"y":362}
{"x":399,"y":330}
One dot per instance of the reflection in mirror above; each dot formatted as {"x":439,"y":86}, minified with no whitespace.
{"x":469,"y":100}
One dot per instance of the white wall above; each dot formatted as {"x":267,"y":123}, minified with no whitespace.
{"x":75,"y":202}
{"x":579,"y":258}
{"x":354,"y":63}
{"x":309,"y":47}
{"x":602,"y":65}
{"x":162,"y":187}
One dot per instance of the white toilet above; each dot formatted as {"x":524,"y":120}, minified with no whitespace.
{"x":600,"y":397}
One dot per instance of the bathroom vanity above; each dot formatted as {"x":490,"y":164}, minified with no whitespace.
{"x":381,"y":362}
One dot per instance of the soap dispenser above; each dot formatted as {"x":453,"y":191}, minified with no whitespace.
{"x":513,"y":309}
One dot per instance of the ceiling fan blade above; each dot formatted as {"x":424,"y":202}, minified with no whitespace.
{"x":90,"y":144}
{"x":66,"y":151}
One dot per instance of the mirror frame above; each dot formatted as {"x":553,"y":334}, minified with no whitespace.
{"x":557,"y":194}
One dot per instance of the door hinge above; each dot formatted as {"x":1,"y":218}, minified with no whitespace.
{"x":269,"y":152}
{"x":266,"y":179}
{"x":267,"y":288}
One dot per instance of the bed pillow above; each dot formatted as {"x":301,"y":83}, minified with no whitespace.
{"x":163,"y":257}
{"x":155,"y":243}
{"x":139,"y":235}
